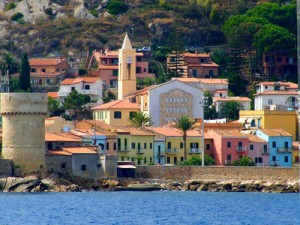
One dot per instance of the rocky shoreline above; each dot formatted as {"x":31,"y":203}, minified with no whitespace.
{"x":54,"y":184}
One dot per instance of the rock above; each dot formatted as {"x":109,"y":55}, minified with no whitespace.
{"x":203,"y":187}
{"x":2,"y":183}
{"x":185,"y":186}
{"x":195,"y":182}
{"x":106,"y":14}
{"x":17,"y":184}
{"x":193,"y":187}
{"x":112,"y":183}
{"x":82,"y":13}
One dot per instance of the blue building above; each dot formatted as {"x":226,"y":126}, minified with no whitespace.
{"x":280,"y":143}
{"x":159,"y":150}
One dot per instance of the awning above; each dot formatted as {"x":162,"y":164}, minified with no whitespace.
{"x":126,"y":167}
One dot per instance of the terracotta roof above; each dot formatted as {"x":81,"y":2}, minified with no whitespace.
{"x":79,"y":150}
{"x":173,"y":132}
{"x":79,"y":80}
{"x":238,"y":99}
{"x":118,"y":104}
{"x":272,"y":83}
{"x":86,"y":132}
{"x":213,"y":81}
{"x":136,"y":131}
{"x":53,"y":95}
{"x":107,"y":67}
{"x":295,"y":145}
{"x":277,"y":93}
{"x":275,"y":132}
{"x":211,"y":64}
{"x":254,"y":138}
{"x":230,"y":133}
{"x":196,"y":55}
{"x":187,"y":80}
{"x":58,"y":153}
{"x":62,"y":137}
{"x":45,"y":61}
{"x":221,"y":91}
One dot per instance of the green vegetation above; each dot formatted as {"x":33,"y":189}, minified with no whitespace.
{"x":17,"y":17}
{"x":10,"y":6}
{"x":116,"y":7}
{"x":54,"y":107}
{"x":24,"y":79}
{"x":184,"y":124}
{"x":197,"y":161}
{"x":140,"y":119}
{"x":244,"y":161}
{"x":230,"y":110}
{"x":8,"y":63}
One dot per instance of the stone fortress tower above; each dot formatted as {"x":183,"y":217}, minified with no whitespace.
{"x":23,"y":130}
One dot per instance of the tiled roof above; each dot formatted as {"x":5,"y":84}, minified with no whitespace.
{"x":58,"y":153}
{"x":173,"y":132}
{"x":213,"y":81}
{"x":211,"y":64}
{"x":227,"y":99}
{"x":221,"y":91}
{"x":79,"y":150}
{"x":277,"y":93}
{"x":136,"y":131}
{"x":230,"y":133}
{"x":45,"y":61}
{"x":79,"y":80}
{"x":62,"y":137}
{"x":254,"y":138}
{"x":118,"y":104}
{"x":53,"y":95}
{"x":107,"y":67}
{"x":275,"y":132}
{"x":196,"y":55}
{"x":272,"y":83}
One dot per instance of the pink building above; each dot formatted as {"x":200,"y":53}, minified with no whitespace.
{"x":107,"y":67}
{"x":259,"y":150}
{"x":229,"y":145}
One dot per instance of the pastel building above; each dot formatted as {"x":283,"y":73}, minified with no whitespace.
{"x":280,"y":144}
{"x":229,"y":145}
{"x":174,"y":146}
{"x":295,"y":154}
{"x":259,"y":150}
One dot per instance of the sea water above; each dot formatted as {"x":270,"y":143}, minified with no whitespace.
{"x":143,"y":208}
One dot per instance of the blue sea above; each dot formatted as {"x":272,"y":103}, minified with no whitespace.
{"x":162,"y":207}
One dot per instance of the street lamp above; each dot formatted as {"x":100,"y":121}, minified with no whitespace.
{"x":203,"y":104}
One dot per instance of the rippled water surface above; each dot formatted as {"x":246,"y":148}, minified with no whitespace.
{"x":150,"y":208}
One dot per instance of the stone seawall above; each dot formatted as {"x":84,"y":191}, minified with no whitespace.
{"x":184,"y":173}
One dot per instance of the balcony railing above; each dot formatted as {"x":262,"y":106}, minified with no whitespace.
{"x":274,"y":163}
{"x":124,"y":149}
{"x":284,"y":150}
{"x":265,"y":152}
{"x":140,"y":151}
{"x":241,"y":148}
{"x":194,"y":151}
{"x":173,"y":151}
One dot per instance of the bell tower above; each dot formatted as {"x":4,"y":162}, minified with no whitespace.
{"x":127,"y":66}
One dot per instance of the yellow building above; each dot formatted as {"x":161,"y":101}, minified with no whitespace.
{"x":270,"y":119}
{"x":295,"y":154}
{"x":135,"y":144}
{"x":116,"y":113}
{"x":174,"y":151}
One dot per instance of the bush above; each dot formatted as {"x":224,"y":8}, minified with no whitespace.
{"x":244,"y":161}
{"x":17,"y":16}
{"x":197,"y":161}
{"x":94,"y":13}
{"x":116,"y":7}
{"x":10,"y":6}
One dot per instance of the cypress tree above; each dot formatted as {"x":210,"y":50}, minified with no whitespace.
{"x":24,"y":79}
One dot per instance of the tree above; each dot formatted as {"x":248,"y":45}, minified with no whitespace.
{"x":24,"y":79}
{"x":209,"y":110}
{"x":197,"y":161}
{"x":244,"y":161}
{"x":230,"y":110}
{"x":8,"y":63}
{"x":54,"y":107}
{"x":75,"y":102}
{"x":140,"y":119}
{"x":184,"y":124}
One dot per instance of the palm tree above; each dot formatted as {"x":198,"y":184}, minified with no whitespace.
{"x":140,"y":119}
{"x":184,"y":123}
{"x":8,"y":62}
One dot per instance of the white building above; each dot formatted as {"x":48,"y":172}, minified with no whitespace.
{"x":91,"y":86}
{"x":276,"y":95}
{"x":244,"y":101}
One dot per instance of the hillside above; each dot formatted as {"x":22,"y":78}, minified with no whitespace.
{"x":48,"y":26}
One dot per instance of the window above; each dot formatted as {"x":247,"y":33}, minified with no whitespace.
{"x":286,"y":159}
{"x":270,"y":101}
{"x":131,"y":114}
{"x":211,"y":73}
{"x":286,"y":144}
{"x":151,"y":146}
{"x":145,"y":145}
{"x":251,"y":147}
{"x":175,"y":160}
{"x":43,"y":70}
{"x":133,"y":145}
{"x":273,"y":158}
{"x":87,"y":87}
{"x":265,"y":147}
{"x":125,"y":143}
{"x":138,"y":69}
{"x":168,"y":159}
{"x":115,"y":146}
{"x":228,"y":144}
{"x":63,"y":165}
{"x":83,"y":167}
{"x":139,"y":146}
{"x":145,"y":70}
{"x":115,"y":61}
{"x":228,"y":157}
{"x":107,"y":145}
{"x":169,"y":145}
{"x":207,"y":146}
{"x":194,"y":73}
{"x":145,"y":160}
{"x":72,"y":88}
{"x":181,"y":144}
{"x":279,"y":59}
{"x":273,"y":144}
{"x":117,"y":114}
{"x":258,"y":160}
{"x":33,"y":70}
{"x":115,"y":73}
{"x":181,"y":159}
{"x":122,"y":158}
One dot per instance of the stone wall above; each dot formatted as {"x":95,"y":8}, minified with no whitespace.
{"x":5,"y":168}
{"x":54,"y":164}
{"x":183,"y":173}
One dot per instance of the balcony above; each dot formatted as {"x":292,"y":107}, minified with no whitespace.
{"x":161,"y":154}
{"x":265,"y":152}
{"x":194,"y":151}
{"x":274,"y":163}
{"x":284,"y":150}
{"x":241,"y":148}
{"x":173,"y":151}
{"x":140,"y":151}
{"x":124,"y":149}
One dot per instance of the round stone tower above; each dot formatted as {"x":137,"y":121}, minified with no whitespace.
{"x":23,"y":130}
